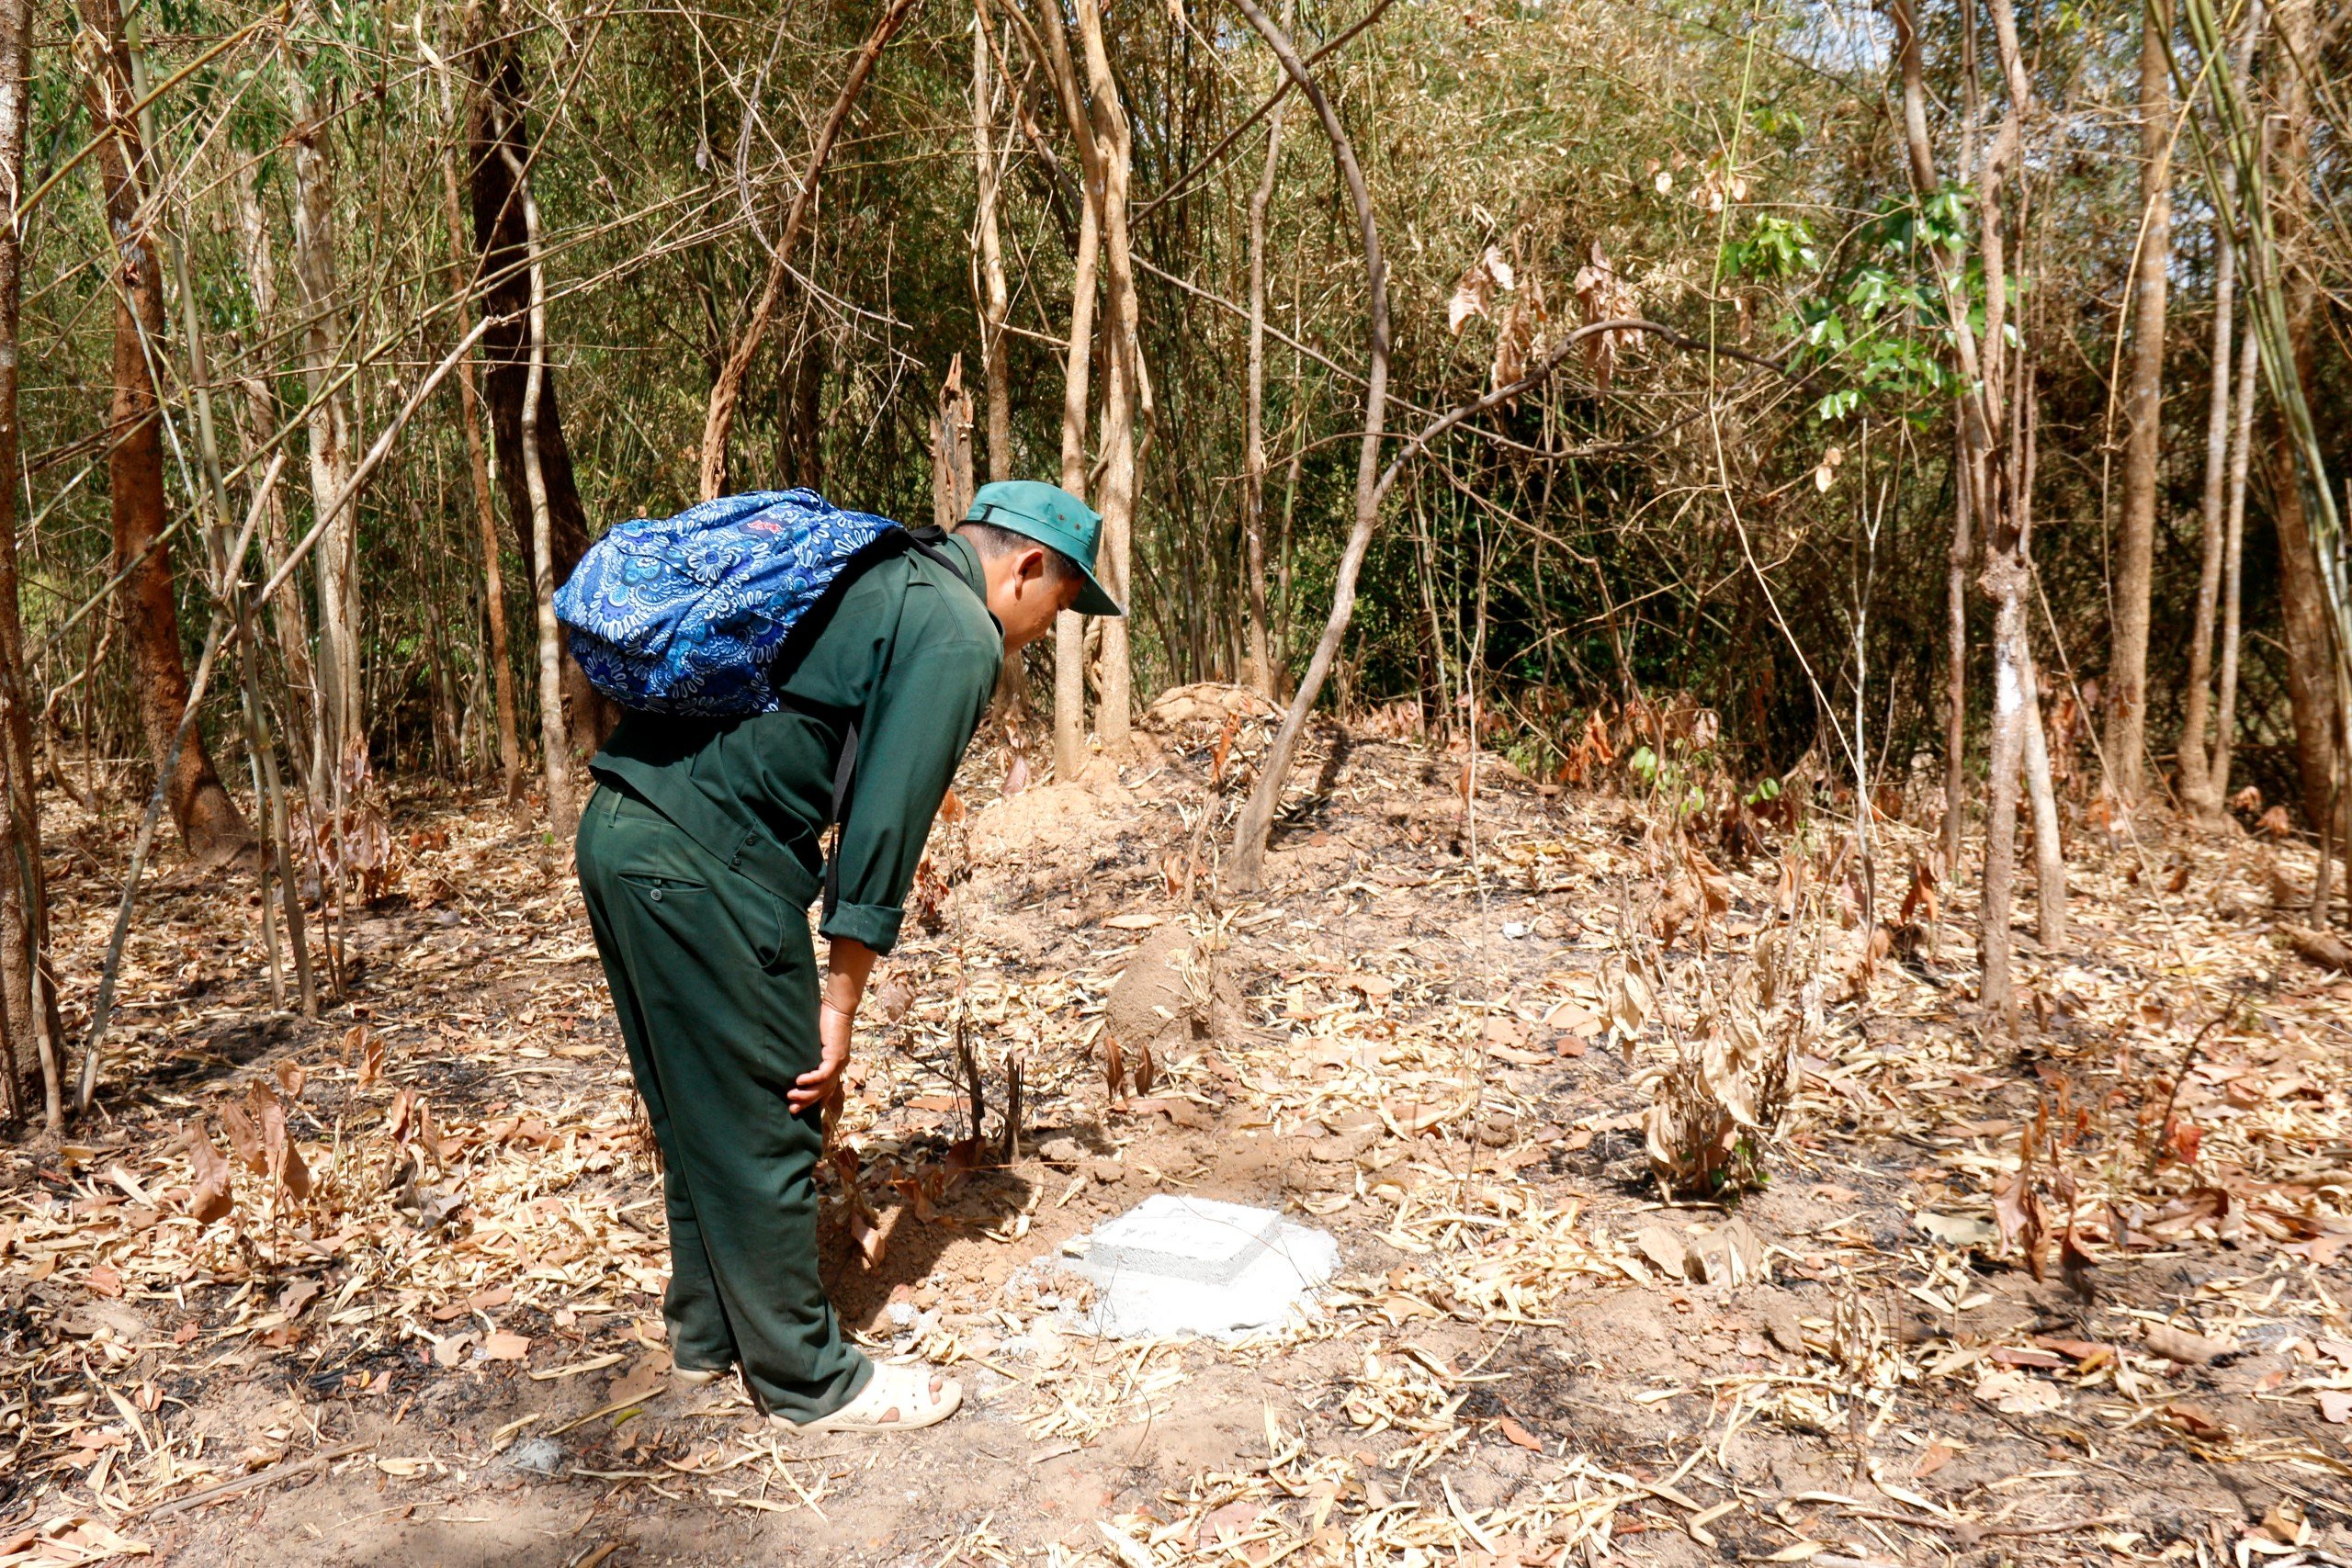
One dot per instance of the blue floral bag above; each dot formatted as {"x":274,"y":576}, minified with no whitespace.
{"x":687,"y":614}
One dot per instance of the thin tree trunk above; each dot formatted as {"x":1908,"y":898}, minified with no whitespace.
{"x":256,"y":415}
{"x":1956,"y":564}
{"x":2049,"y":846}
{"x":493,"y":576}
{"x":2127,"y":682}
{"x":2225,"y":710}
{"x":1990,"y":472}
{"x":2197,"y":790}
{"x":208,"y":820}
{"x":1123,"y":387}
{"x":1920,"y":166}
{"x":2004,"y":581}
{"x":718,"y":419}
{"x":1069,"y":627}
{"x":555,"y":745}
{"x":1260,"y":674}
{"x":257,"y":418}
{"x":27,"y":987}
{"x":269,"y":800}
{"x":995,"y":299}
{"x":2303,"y":610}
{"x":1258,"y":815}
{"x":498,"y":146}
{"x":996,"y":308}
{"x":343,"y":726}
{"x":951,"y":450}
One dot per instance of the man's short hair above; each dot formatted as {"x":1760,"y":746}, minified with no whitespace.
{"x":991,"y":542}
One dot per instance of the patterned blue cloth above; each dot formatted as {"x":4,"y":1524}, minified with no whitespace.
{"x":685,"y":615}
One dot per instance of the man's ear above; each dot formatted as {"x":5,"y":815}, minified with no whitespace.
{"x":1031,"y":566}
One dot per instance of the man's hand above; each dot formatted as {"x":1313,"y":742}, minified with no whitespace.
{"x":812,"y":1088}
{"x":847,"y":966}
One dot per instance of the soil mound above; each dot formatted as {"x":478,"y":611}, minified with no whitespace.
{"x":1053,"y":820}
{"x":1181,"y":710}
{"x":1174,"y":995}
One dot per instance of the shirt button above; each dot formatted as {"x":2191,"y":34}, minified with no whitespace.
{"x":656,"y":894}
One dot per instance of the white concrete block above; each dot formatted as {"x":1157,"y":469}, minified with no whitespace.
{"x":1193,"y":1265}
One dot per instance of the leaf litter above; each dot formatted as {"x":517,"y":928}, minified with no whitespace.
{"x":1694,"y":1213}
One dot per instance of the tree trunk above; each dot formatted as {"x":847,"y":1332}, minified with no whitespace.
{"x":1069,"y":627}
{"x":493,"y":577}
{"x":257,"y":420}
{"x":2302,"y":614}
{"x":1991,"y":466}
{"x":208,"y":820}
{"x":951,"y":450}
{"x":1956,"y":564}
{"x":1259,"y":673}
{"x":2049,"y":846}
{"x":2126,"y":674}
{"x":230,"y":546}
{"x":995,"y":305}
{"x":1919,"y":164}
{"x":2012,"y":667}
{"x":555,"y":744}
{"x":2303,"y":611}
{"x":26,"y":985}
{"x":342,"y":732}
{"x":1123,"y":387}
{"x":2198,"y":789}
{"x":2225,"y":710}
{"x":496,"y":145}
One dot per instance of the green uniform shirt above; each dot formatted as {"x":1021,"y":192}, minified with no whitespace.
{"x":911,"y":655}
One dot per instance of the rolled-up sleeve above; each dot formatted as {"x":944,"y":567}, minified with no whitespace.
{"x":918,"y":716}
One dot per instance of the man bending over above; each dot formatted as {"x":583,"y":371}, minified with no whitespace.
{"x":699,"y":856}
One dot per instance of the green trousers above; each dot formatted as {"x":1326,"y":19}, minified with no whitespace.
{"x":715,"y":982}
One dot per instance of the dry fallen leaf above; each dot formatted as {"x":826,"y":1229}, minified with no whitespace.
{"x":646,"y":1377}
{"x":213,"y":1196}
{"x":1938,"y":1455}
{"x":2018,"y":1393}
{"x":2190,"y":1349}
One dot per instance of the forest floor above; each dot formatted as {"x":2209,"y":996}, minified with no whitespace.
{"x":427,"y":1330}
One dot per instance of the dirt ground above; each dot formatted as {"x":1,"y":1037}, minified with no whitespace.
{"x":2062,"y":1287}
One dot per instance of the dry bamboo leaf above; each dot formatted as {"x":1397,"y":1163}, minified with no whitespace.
{"x":214,"y":1194}
{"x":2184,"y":1346}
{"x":1476,"y":287}
{"x":245,"y":1138}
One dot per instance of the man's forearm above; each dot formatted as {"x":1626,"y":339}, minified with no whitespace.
{"x":847,"y":966}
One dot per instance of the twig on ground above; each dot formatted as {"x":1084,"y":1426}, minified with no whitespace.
{"x":283,"y":1471}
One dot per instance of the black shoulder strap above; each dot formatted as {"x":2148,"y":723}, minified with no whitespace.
{"x":844,"y":774}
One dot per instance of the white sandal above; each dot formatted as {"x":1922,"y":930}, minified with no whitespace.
{"x":897,"y":1398}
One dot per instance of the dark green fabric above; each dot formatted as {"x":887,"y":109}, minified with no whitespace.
{"x":911,"y":654}
{"x":714,"y":981}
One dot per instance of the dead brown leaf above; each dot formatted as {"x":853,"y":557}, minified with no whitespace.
{"x":213,"y":1195}
{"x":2184,"y":1346}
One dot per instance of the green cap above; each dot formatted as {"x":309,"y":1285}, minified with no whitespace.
{"x":1055,"y":519}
